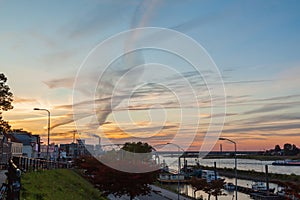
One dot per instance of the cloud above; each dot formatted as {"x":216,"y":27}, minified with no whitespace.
{"x":209,"y":116}
{"x":98,"y":19}
{"x":89,"y":24}
{"x":84,"y":104}
{"x":24,"y":100}
{"x":118,"y":135}
{"x":60,"y":83}
{"x":246,"y":81}
{"x":285,"y":97}
{"x":58,"y":57}
{"x":271,"y":118}
{"x":269,"y":108}
{"x":63,"y":120}
{"x":150,"y":129}
{"x":289,"y":78}
{"x":44,"y":39}
{"x":275,"y":134}
{"x":250,"y":101}
{"x":149,"y":96}
{"x":199,"y":21}
{"x":272,"y":127}
{"x":252,"y":138}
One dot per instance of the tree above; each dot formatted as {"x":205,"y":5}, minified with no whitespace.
{"x":212,"y":188}
{"x":137,"y":147}
{"x":277,"y":148}
{"x":295,"y":150}
{"x":112,"y":181}
{"x":6,"y":98}
{"x":216,"y":187}
{"x":290,"y":150}
{"x":4,"y":126}
{"x":198,"y":184}
{"x":136,"y":152}
{"x":290,"y":188}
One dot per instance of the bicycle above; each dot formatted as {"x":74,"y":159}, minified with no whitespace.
{"x":11,"y":189}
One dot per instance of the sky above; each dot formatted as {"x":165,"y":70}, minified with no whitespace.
{"x":74,"y":58}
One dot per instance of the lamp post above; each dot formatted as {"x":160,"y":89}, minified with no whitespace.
{"x":235,"y":163}
{"x":156,"y":156}
{"x":178,"y":186}
{"x":48,"y":129}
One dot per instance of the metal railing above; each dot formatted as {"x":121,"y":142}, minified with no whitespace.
{"x":32,"y":164}
{"x":10,"y":190}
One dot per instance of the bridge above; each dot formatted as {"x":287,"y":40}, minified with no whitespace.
{"x":196,"y":154}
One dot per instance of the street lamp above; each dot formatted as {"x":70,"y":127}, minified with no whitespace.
{"x":235,"y":163}
{"x":48,"y":129}
{"x":179,"y":148}
{"x":156,"y":156}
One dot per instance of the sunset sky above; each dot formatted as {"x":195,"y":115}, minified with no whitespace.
{"x":45,"y":47}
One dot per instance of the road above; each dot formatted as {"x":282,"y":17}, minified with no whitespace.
{"x":157,"y":194}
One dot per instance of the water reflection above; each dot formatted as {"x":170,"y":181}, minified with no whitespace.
{"x":243,"y":164}
{"x":188,"y":190}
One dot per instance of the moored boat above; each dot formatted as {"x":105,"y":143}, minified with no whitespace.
{"x":229,"y":186}
{"x":171,"y":178}
{"x":210,"y":175}
{"x":261,"y":187}
{"x":287,"y":162}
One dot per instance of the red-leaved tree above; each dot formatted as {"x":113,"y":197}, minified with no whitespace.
{"x":109,"y":180}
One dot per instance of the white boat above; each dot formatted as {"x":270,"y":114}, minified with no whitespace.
{"x":259,"y":186}
{"x":171,"y":178}
{"x":281,"y":193}
{"x":210,"y":175}
{"x":229,"y":186}
{"x":287,"y":162}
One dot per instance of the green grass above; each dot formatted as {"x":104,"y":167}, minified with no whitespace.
{"x":57,"y":184}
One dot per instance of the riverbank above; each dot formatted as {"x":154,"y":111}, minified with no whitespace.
{"x":255,"y":157}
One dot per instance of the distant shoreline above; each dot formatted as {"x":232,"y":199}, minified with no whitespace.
{"x":255,"y":157}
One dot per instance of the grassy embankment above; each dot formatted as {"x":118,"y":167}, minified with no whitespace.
{"x":57,"y":184}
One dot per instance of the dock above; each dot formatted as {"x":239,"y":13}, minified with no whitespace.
{"x":264,"y":196}
{"x":258,"y":195}
{"x":172,"y":181}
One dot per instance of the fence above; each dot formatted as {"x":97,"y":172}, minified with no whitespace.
{"x":11,"y":189}
{"x":29,"y":164}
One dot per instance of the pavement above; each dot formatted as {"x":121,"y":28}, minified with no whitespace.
{"x":2,"y":176}
{"x":157,"y":194}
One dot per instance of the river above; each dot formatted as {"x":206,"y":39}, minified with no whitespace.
{"x":242,"y":164}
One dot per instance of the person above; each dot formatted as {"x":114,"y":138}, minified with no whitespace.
{"x":14,"y":181}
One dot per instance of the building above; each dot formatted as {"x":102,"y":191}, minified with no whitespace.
{"x":31,"y":143}
{"x":9,"y":147}
{"x":68,"y":151}
{"x":75,"y":150}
